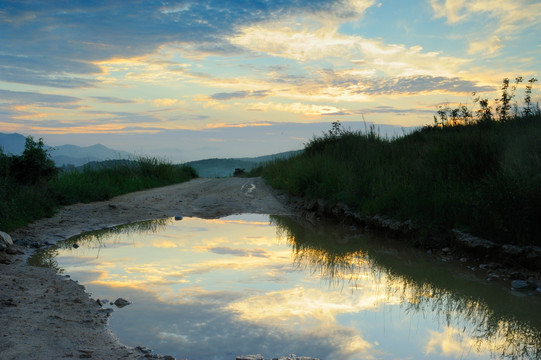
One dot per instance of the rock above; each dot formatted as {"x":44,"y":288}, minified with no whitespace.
{"x":178,"y":217}
{"x":473,"y":244}
{"x":446,"y":250}
{"x":13,"y":251}
{"x":5,"y":241}
{"x":144,"y":349}
{"x":250,"y":357}
{"x":107,"y":311}
{"x":512,"y":250}
{"x":519,"y":285}
{"x":120,"y":302}
{"x":9,"y":302}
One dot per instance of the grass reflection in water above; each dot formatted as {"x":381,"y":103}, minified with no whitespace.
{"x":97,"y":239}
{"x":487,"y":318}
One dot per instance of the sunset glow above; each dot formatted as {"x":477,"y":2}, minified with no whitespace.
{"x":126,"y":68}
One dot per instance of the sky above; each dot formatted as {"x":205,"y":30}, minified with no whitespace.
{"x":195,"y":79}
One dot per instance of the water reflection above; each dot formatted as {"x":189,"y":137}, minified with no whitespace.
{"x":474,"y":316}
{"x":213,"y":289}
{"x":98,"y":239}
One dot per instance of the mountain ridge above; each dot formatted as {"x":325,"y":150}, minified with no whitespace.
{"x":62,"y":155}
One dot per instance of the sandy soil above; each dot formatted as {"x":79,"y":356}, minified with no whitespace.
{"x":48,"y":316}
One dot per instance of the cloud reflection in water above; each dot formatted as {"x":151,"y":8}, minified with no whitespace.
{"x":240,"y":285}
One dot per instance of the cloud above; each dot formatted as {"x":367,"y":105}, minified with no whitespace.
{"x":393,"y":110}
{"x":27,"y":97}
{"x":240,"y":95}
{"x":74,"y":36}
{"x":243,"y":125}
{"x":304,"y":43}
{"x":225,"y":250}
{"x":505,"y":19}
{"x":193,"y":327}
{"x":452,"y":342}
{"x":165,"y":102}
{"x":486,"y":46}
{"x":422,"y":83}
{"x":112,"y":100}
{"x":300,"y":108}
{"x":508,"y":13}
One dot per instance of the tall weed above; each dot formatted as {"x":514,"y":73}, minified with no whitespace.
{"x":482,"y":177}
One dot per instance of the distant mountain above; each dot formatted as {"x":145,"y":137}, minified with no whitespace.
{"x":64,"y":154}
{"x":76,"y":155}
{"x":12,"y":143}
{"x":226,"y":167}
{"x":267,"y":158}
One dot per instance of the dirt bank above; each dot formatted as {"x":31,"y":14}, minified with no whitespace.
{"x":47,"y":316}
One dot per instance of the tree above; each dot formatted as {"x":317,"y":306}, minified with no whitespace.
{"x":34,"y":165}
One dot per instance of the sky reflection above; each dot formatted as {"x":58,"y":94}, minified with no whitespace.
{"x":213,"y":289}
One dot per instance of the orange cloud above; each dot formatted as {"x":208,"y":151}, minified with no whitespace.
{"x":224,"y":125}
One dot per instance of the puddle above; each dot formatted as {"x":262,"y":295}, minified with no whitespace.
{"x":259,"y":284}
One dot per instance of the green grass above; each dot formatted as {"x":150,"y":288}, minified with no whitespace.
{"x":484,"y":178}
{"x":21,"y":204}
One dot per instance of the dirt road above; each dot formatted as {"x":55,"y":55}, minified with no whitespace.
{"x":47,"y":316}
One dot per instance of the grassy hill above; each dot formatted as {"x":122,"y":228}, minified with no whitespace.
{"x":482,"y":176}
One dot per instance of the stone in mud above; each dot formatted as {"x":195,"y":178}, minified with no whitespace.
{"x":519,"y":285}
{"x":120,"y":302}
{"x":5,"y":241}
{"x":144,"y":349}
{"x":13,"y":251}
{"x":107,"y":311}
{"x":474,"y":244}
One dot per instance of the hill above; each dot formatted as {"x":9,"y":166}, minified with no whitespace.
{"x":215,"y":168}
{"x":483,"y":177}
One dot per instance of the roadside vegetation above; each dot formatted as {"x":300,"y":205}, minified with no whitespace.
{"x":31,"y":187}
{"x":477,"y":168}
